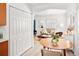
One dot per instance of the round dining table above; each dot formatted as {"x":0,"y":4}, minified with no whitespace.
{"x":62,"y":44}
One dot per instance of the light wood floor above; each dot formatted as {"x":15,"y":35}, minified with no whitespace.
{"x":36,"y":50}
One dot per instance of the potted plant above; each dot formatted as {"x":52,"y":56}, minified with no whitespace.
{"x":55,"y":39}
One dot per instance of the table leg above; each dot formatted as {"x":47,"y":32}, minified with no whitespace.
{"x":64,"y":51}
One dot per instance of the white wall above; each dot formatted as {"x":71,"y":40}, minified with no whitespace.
{"x":21,"y":32}
{"x":76,"y":50}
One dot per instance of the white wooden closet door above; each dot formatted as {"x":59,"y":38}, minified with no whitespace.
{"x":20,"y":31}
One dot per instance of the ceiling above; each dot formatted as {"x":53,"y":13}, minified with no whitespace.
{"x":39,"y":7}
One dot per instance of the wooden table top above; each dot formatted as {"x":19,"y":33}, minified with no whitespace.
{"x":62,"y":44}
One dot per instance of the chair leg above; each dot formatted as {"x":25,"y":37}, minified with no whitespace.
{"x":42,"y":52}
{"x":64,"y":51}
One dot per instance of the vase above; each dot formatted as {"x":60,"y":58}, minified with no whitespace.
{"x":55,"y":43}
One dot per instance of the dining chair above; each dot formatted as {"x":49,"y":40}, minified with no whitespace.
{"x":60,"y":33}
{"x":51,"y":52}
